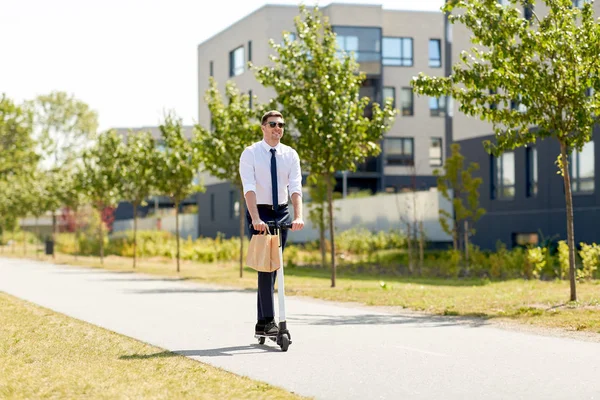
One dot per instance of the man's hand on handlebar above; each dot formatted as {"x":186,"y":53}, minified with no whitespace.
{"x":297,"y":224}
{"x":259,"y":225}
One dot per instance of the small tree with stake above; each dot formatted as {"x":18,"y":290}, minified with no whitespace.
{"x":234,"y":127}
{"x":177,"y":166}
{"x":547,"y":64}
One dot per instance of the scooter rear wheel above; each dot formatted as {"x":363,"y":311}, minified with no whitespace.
{"x":285,"y":343}
{"x":261,"y":340}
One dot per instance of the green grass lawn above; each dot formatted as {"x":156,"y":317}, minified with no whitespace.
{"x":46,"y":355}
{"x":541,"y":303}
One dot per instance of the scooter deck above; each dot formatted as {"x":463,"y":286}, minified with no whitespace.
{"x":273,"y":338}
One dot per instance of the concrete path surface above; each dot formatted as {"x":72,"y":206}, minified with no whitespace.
{"x":338,"y":351}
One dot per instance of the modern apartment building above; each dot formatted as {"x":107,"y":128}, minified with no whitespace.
{"x":391,"y":47}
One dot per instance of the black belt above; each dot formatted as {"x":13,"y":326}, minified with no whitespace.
{"x":270,"y":207}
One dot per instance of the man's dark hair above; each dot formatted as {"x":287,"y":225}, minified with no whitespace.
{"x":272,"y":113}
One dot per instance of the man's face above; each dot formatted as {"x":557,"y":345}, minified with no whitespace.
{"x":273,"y":128}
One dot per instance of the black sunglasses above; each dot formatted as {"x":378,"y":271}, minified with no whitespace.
{"x":274,"y":124}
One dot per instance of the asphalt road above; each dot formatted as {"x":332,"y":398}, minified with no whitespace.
{"x":338,"y":351}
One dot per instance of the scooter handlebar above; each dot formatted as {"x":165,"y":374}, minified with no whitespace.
{"x":285,"y":225}
{"x":275,"y":225}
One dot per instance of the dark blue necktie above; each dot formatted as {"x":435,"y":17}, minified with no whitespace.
{"x":274,"y":180}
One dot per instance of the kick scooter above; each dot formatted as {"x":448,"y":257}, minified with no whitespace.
{"x":283,"y":338}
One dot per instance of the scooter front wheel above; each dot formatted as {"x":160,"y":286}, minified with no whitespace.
{"x":285,"y":343}
{"x":261,"y":340}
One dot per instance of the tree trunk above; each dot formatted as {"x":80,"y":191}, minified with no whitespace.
{"x":24,"y":244}
{"x":322,"y":237}
{"x":409,"y":246}
{"x":177,"y":231}
{"x":135,"y":206}
{"x":37,"y":233}
{"x":242,"y":207}
{"x":570,"y":225}
{"x":54,"y":230}
{"x":331,"y":228}
{"x":101,"y":240}
{"x":421,"y":246}
{"x":455,"y":235}
{"x":14,"y":239}
{"x":77,"y":236}
{"x":466,"y":246}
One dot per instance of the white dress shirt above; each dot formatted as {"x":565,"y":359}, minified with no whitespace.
{"x":255,"y":171}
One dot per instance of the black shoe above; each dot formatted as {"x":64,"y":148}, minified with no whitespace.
{"x":271,"y":329}
{"x":259,"y":328}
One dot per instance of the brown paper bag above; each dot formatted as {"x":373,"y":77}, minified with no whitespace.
{"x":263,"y":252}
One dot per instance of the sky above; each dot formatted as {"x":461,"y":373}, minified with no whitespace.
{"x":129,"y":60}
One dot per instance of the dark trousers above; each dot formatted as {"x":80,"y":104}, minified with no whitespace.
{"x":266,"y":280}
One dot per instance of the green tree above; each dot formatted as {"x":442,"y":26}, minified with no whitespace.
{"x":319,"y":93}
{"x":139,"y":174}
{"x":9,"y":206}
{"x":17,"y":147}
{"x":177,"y":167}
{"x":234,"y":127}
{"x":64,"y":126}
{"x":547,"y":64}
{"x":457,"y":185}
{"x":102,"y":175}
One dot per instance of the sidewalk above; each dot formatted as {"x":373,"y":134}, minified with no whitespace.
{"x":338,"y":351}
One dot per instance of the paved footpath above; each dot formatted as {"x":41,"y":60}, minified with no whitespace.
{"x":338,"y":351}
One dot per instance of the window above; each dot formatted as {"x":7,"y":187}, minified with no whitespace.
{"x":249,"y":50}
{"x":582,"y":169}
{"x":398,"y":51}
{"x":212,"y":206}
{"x":437,"y":106}
{"x":406,"y":102}
{"x":528,"y":11}
{"x":435,"y":152}
{"x":532,"y":171}
{"x":525,"y":239}
{"x":234,"y":205}
{"x":348,"y":44}
{"x":399,"y":151}
{"x":250,"y":99}
{"x":493,"y":105}
{"x":364,"y":43}
{"x":435,"y":53}
{"x":236,"y":62}
{"x":504,"y":176}
{"x":516,"y":104}
{"x":211,"y":69}
{"x":390,"y":91}
{"x":578,"y":3}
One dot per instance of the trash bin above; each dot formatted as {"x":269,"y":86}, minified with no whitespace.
{"x":49,"y":247}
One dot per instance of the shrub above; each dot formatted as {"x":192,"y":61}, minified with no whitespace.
{"x":590,"y":257}
{"x":536,"y":256}
{"x":362,"y":241}
{"x":563,"y":260}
